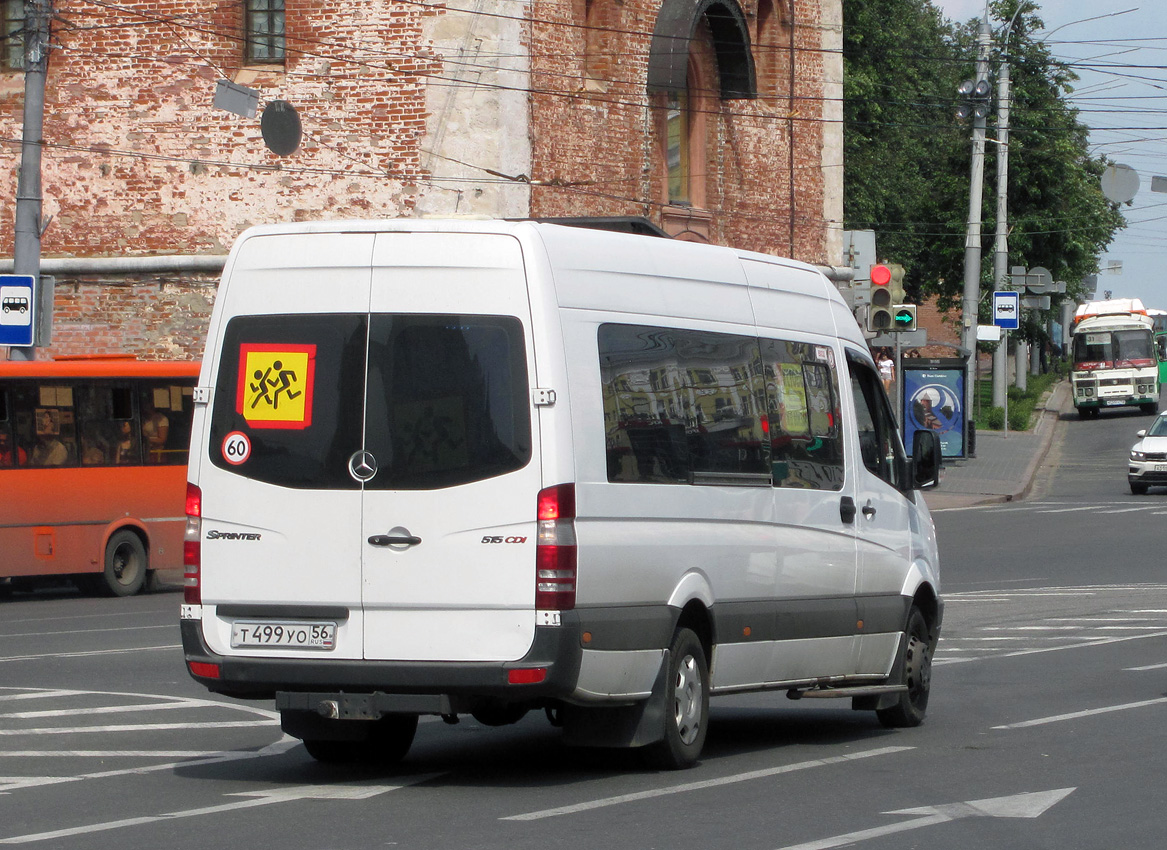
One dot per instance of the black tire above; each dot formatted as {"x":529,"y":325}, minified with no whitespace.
{"x":915,"y":668}
{"x":686,"y":716}
{"x":126,"y":565}
{"x":1150,"y":408}
{"x":1139,"y":489}
{"x":387,"y":742}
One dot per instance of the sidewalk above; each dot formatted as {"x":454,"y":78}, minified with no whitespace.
{"x":1004,"y":467}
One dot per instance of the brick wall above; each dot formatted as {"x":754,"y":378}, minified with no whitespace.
{"x":406,"y":107}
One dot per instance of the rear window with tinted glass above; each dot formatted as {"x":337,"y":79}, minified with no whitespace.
{"x":293,"y":387}
{"x":447,"y":399}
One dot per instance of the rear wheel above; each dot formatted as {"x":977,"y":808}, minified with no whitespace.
{"x":915,"y":672}
{"x":386,"y":742}
{"x":686,"y":717}
{"x":125,"y":565}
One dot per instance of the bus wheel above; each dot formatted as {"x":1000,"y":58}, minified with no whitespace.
{"x":915,"y":672}
{"x":125,"y":565}
{"x":686,"y":713}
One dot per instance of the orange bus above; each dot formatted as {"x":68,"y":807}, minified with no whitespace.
{"x":93,"y":457}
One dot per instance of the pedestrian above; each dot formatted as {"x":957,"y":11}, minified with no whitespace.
{"x":887,"y":369}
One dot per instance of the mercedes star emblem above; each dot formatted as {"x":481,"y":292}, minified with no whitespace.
{"x":362,"y":465}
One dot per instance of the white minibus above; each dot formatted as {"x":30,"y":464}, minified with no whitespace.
{"x":483,"y":467}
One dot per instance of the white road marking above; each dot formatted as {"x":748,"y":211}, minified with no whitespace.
{"x":105,"y":709}
{"x":707,"y":783}
{"x":258,"y":798}
{"x":1036,"y":650}
{"x":89,"y":653}
{"x":1147,"y":667}
{"x":281,"y":746}
{"x":1075,"y":715}
{"x":1018,"y":806}
{"x":172,"y":627}
{"x":134,"y":727}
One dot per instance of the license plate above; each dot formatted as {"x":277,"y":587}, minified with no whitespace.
{"x":1115,"y":402}
{"x":285,"y":635}
{"x":1161,"y":467}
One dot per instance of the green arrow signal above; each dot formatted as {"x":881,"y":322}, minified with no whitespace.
{"x":904,"y":317}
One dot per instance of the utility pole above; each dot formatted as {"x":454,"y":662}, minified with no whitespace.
{"x":1001,"y":246}
{"x":26,"y":249}
{"x":972,"y":243}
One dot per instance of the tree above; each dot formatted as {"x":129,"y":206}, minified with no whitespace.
{"x":907,"y":157}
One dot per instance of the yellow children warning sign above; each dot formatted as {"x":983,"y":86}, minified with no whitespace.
{"x":275,"y":385}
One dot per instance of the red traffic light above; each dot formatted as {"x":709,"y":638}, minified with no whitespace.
{"x":880,"y":275}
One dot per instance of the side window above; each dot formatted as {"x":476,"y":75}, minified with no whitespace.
{"x":879,"y":443}
{"x":47,"y":424}
{"x":164,"y":409}
{"x":802,"y":397}
{"x":681,"y":406}
{"x":106,"y":422}
{"x":10,"y":455}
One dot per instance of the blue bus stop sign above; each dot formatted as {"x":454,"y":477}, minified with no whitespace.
{"x":17,"y":309}
{"x":1007,"y":310}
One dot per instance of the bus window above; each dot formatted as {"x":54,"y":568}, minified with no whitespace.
{"x":108,"y":435}
{"x":46,"y":423}
{"x":10,"y":455}
{"x":165,"y":412}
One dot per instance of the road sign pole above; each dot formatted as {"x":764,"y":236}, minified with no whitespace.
{"x":26,"y":248}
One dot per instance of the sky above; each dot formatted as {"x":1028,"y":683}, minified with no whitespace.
{"x":1119,"y":50}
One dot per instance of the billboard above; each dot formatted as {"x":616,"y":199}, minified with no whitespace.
{"x":934,"y":400}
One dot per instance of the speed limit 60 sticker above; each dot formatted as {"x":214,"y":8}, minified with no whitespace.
{"x":236,"y":448}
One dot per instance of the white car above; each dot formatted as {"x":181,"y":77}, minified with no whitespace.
{"x":1148,"y":461}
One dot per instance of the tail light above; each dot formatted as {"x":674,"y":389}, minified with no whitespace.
{"x":192,"y":554}
{"x":555,"y":549}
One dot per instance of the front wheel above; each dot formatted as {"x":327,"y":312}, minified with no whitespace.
{"x":125,"y":565}
{"x":686,"y":713}
{"x":915,"y":672}
{"x":1138,"y":489}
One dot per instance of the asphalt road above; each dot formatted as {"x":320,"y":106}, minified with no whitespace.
{"x":1046,"y":726}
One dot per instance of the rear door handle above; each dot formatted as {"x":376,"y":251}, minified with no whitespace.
{"x":394,"y":540}
{"x":869,"y":510}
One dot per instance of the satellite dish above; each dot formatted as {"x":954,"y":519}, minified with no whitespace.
{"x":1120,"y":183}
{"x":280,"y":126}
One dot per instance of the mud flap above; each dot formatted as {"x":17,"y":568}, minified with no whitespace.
{"x":619,"y":726}
{"x":877,"y":702}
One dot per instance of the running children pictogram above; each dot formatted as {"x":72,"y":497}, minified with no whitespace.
{"x":275,"y":384}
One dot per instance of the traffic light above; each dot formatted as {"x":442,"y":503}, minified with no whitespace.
{"x":897,"y":283}
{"x":903,"y":317}
{"x":879,"y":316}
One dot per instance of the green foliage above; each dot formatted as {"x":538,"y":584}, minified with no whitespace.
{"x":1022,"y":403}
{"x":907,"y":158}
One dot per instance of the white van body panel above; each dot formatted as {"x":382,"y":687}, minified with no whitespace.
{"x":451,"y":598}
{"x":297,"y":538}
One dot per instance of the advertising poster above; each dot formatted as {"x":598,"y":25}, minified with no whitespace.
{"x":934,"y":400}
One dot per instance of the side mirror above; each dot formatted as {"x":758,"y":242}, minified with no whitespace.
{"x":926,"y":459}
{"x":1142,"y":432}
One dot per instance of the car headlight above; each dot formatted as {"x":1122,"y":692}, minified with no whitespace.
{"x":1137,"y":455}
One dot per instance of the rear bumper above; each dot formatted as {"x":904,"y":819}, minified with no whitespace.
{"x":555,"y":649}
